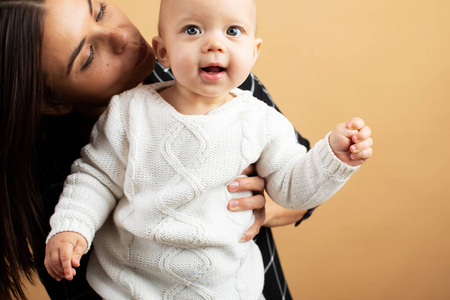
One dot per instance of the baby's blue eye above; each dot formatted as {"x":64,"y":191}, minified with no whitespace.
{"x":234,"y":31}
{"x":192,"y":30}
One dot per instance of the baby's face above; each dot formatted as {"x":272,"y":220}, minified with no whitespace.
{"x":210,"y":44}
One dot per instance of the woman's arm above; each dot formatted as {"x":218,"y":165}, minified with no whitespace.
{"x":269,"y":213}
{"x":280,"y":216}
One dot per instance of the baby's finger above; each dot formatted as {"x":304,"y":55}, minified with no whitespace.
{"x":54,"y":274}
{"x":363,"y":133}
{"x":362,"y":156}
{"x":361,"y":146}
{"x":355,"y":123}
{"x":65,"y":254}
{"x":54,"y":263}
{"x":78,"y":251}
{"x":49,"y":265}
{"x":341,"y":133}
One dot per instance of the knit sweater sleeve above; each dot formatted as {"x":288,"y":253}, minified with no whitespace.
{"x":96,"y":181}
{"x":297,"y":179}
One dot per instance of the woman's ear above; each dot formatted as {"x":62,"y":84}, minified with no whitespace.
{"x":160,"y":51}
{"x":52,"y":107}
{"x":57,"y":109}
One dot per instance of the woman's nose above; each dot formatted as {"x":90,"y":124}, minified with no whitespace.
{"x":118,"y":38}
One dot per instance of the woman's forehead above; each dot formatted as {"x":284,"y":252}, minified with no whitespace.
{"x":64,"y":27}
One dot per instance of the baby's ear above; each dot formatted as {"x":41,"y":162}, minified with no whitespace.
{"x":159,"y":47}
{"x":258,"y":44}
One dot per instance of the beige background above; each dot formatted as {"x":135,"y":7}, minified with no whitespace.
{"x":385,"y":235}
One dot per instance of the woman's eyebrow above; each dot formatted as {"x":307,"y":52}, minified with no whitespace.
{"x":80,"y":45}
{"x":90,"y":6}
{"x":75,"y":54}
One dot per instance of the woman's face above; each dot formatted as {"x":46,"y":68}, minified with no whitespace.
{"x":91,"y":51}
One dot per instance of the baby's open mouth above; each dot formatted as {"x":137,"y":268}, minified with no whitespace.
{"x":213,"y":69}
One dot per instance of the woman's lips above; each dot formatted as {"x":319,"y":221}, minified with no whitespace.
{"x":142,"y":51}
{"x":212,"y":73}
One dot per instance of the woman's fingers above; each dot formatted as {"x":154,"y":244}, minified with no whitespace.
{"x":256,"y":202}
{"x":249,"y":234}
{"x":245,"y":184}
{"x":250,"y":170}
{"x":247,"y":203}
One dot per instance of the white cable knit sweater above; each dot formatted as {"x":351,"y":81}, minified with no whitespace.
{"x":152,"y":184}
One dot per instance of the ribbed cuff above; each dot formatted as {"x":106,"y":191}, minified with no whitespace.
{"x":331,"y":163}
{"x":69,"y":224}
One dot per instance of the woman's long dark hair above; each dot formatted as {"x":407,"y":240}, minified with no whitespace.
{"x":22,"y":93}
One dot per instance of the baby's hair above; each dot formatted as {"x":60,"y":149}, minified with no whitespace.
{"x":164,"y":2}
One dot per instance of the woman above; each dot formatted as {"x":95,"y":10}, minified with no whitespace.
{"x":61,"y":62}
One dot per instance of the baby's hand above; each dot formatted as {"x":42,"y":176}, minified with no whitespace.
{"x":351,"y":142}
{"x":64,"y":251}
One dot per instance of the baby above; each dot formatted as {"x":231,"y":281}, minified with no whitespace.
{"x":151,"y":185}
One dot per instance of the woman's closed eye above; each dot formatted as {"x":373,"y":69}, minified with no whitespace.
{"x":101,"y":11}
{"x":90,"y":58}
{"x":98,"y":18}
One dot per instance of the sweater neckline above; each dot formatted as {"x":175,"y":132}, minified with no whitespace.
{"x":226,"y":107}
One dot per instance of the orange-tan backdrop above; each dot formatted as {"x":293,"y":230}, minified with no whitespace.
{"x":385,"y":235}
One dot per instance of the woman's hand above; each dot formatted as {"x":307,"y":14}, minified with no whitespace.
{"x":256,"y":202}
{"x":267,"y":213}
